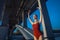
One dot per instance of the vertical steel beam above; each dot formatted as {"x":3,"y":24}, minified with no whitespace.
{"x":47,"y":28}
{"x":4,"y":17}
{"x":24,"y":19}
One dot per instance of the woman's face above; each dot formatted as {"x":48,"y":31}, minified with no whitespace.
{"x":35,"y":16}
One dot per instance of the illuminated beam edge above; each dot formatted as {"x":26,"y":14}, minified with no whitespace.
{"x":27,"y":34}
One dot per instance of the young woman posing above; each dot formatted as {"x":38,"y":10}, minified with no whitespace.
{"x":36,"y":26}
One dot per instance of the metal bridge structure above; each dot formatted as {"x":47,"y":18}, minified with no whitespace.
{"x":15,"y":11}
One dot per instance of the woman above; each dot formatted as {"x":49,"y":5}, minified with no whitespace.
{"x":36,"y":26}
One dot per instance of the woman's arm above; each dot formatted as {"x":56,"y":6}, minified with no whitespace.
{"x":40,"y":16}
{"x":29,"y":18}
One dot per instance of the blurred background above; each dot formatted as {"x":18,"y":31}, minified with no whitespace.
{"x":53,"y":7}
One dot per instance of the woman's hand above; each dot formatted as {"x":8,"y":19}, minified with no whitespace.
{"x":29,"y":11}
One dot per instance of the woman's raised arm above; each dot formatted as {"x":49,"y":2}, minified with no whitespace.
{"x":29,"y":17}
{"x":40,"y":20}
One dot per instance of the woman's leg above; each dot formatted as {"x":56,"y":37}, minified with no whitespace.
{"x":40,"y":37}
{"x":35,"y":38}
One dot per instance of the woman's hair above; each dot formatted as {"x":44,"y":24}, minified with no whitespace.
{"x":35,"y":15}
